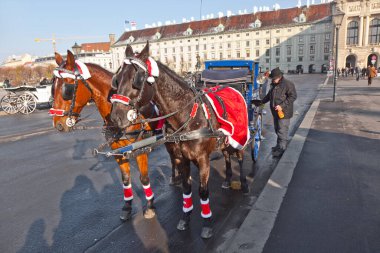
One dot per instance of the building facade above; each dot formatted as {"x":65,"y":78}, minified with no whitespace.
{"x":294,"y":39}
{"x":359,"y":33}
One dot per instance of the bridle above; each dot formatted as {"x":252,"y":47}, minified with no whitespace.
{"x":150,"y":71}
{"x":80,"y":72}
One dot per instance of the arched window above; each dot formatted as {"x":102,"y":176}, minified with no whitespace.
{"x":374,"y":31}
{"x":352,"y":33}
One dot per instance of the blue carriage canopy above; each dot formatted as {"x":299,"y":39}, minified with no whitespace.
{"x":225,"y":76}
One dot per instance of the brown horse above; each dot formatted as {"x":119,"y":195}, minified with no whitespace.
{"x":69,"y":102}
{"x":176,"y":99}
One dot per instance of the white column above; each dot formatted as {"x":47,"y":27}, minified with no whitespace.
{"x":366,"y":31}
{"x":361,"y":25}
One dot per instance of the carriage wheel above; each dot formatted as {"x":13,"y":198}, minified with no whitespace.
{"x":26,"y":103}
{"x":256,"y":140}
{"x":9,"y":104}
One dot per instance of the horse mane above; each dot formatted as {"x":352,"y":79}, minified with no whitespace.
{"x":172,"y":74}
{"x":99,"y":68}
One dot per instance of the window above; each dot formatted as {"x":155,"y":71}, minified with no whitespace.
{"x":257,"y":52}
{"x":204,"y":47}
{"x":300,"y":50}
{"x":277,"y":40}
{"x":212,"y":38}
{"x":311,"y":57}
{"x":220,"y":46}
{"x":189,"y":48}
{"x":238,"y":44}
{"x":267,"y":52}
{"x":327,"y":36}
{"x":277,"y":51}
{"x":181,"y":48}
{"x":374,"y":31}
{"x":237,"y":35}
{"x":312,"y":49}
{"x":277,"y":60}
{"x":212,"y":47}
{"x":257,"y":33}
{"x":288,"y":50}
{"x":247,"y":43}
{"x":267,"y":60}
{"x":257,"y":42}
{"x":312,"y":38}
{"x":220,"y":37}
{"x":300,"y":58}
{"x":197,"y":47}
{"x":220,"y":55}
{"x":277,"y":31}
{"x":326,"y":57}
{"x":238,"y":54}
{"x":289,"y":29}
{"x":326,"y":48}
{"x":173,"y":49}
{"x":352,"y":33}
{"x":300,"y":39}
{"x":289,"y":41}
{"x":289,"y":59}
{"x":247,"y":53}
{"x":267,"y":42}
{"x":247,"y":34}
{"x":228,"y":45}
{"x":166,"y":50}
{"x":267,"y":32}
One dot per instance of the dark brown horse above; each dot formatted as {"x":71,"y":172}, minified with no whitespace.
{"x":97,"y":88}
{"x":174,"y":96}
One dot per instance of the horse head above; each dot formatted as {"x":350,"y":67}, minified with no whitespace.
{"x":69,"y":92}
{"x":134,"y":82}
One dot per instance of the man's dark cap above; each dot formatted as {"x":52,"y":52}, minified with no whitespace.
{"x":275,"y":73}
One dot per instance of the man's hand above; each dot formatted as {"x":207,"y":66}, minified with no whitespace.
{"x":278,"y":107}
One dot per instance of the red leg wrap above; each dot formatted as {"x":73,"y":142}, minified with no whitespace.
{"x":187,"y":203}
{"x":206,"y":211}
{"x":128,"y":194}
{"x":148,"y":192}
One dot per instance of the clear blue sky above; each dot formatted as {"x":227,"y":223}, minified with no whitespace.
{"x":21,"y":21}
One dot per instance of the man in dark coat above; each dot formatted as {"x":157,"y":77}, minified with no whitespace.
{"x":281,"y":97}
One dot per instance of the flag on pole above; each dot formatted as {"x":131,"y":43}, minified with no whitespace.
{"x":126,"y":22}
{"x":133,"y":23}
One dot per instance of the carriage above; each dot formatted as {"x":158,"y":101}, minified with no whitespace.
{"x":25,"y":98}
{"x":244,"y":76}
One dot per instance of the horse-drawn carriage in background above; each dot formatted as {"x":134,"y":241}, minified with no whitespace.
{"x":25,"y":98}
{"x":244,"y":76}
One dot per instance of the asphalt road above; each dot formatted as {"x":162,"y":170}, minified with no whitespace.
{"x":56,"y":197}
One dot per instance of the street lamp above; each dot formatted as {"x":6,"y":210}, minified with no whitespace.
{"x":337,"y":20}
{"x":76,"y":48}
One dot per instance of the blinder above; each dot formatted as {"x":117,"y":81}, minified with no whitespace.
{"x":68,"y":91}
{"x":139,"y":79}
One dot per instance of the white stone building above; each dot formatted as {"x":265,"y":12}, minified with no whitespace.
{"x":292,"y":39}
{"x":359,"y":33}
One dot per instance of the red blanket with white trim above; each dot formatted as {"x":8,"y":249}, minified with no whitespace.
{"x":236,"y":125}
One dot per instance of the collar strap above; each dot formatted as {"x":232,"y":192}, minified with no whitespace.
{"x":117,"y":98}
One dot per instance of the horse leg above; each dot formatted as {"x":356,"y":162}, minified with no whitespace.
{"x":227,"y":182}
{"x":142,"y":162}
{"x":126,"y":212}
{"x":173,"y":153}
{"x":204,"y":173}
{"x":243,"y":178}
{"x":184,"y":166}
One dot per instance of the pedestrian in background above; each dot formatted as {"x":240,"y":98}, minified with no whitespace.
{"x":281,"y":97}
{"x":371,"y":72}
{"x":357,"y":73}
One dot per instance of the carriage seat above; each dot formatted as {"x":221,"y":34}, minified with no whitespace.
{"x":225,"y":76}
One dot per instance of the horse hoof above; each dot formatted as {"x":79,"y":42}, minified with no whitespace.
{"x":182,"y":225}
{"x":226,"y":184}
{"x":149,"y":213}
{"x":206,"y":232}
{"x":175,"y":180}
{"x":245,"y":189}
{"x":125,"y":215}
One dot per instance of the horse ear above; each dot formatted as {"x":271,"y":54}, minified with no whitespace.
{"x":129,"y":51}
{"x":144,"y":54}
{"x":58,"y":59}
{"x":70,"y":59}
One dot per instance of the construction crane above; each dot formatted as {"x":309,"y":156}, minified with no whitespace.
{"x":54,"y":39}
